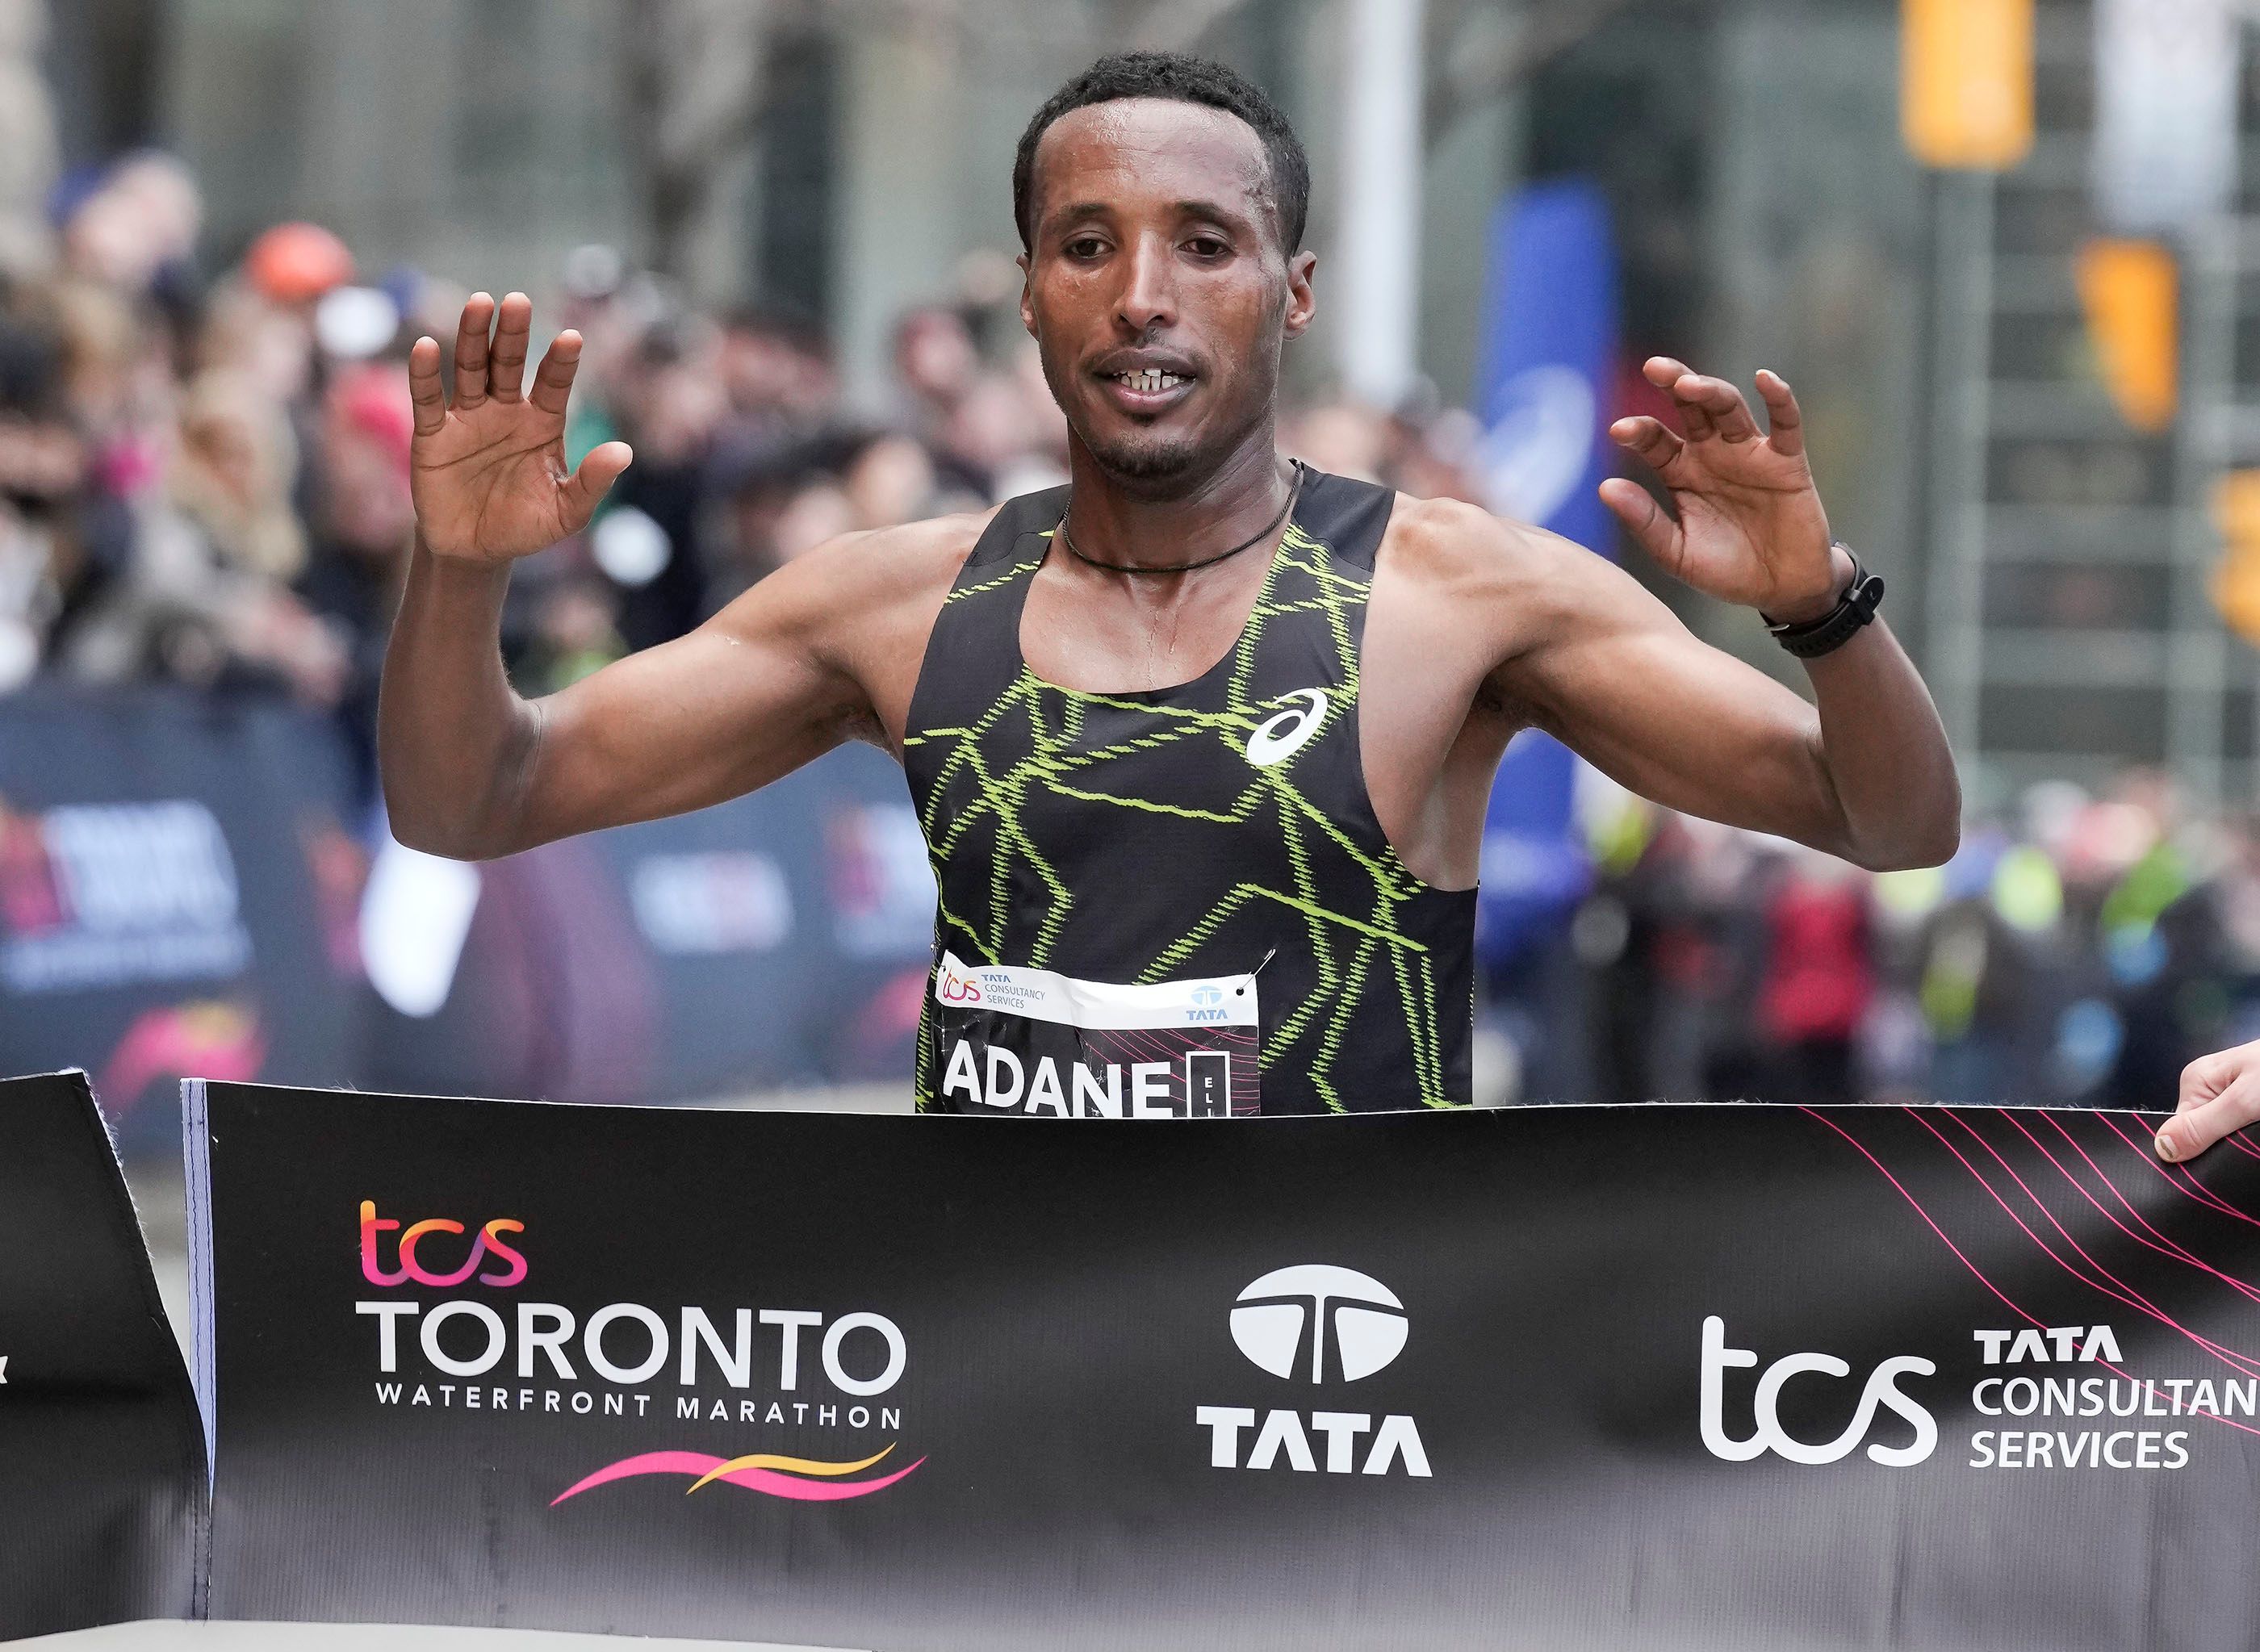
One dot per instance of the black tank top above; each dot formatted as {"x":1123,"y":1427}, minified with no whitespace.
{"x":1144,"y":855}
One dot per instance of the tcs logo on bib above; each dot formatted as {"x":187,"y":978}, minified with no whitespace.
{"x":490,"y":1244}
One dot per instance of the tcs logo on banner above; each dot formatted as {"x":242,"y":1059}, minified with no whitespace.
{"x":488,"y":1246}
{"x":1881,"y":1390}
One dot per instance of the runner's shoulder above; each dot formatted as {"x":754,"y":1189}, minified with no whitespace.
{"x":1455,"y":552}
{"x":869,"y":574}
{"x":905,"y":560}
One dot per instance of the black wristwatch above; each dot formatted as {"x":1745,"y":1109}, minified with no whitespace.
{"x":1836,"y":627}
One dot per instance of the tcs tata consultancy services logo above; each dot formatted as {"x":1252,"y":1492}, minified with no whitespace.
{"x":1881,"y":1390}
{"x":488,"y":1244}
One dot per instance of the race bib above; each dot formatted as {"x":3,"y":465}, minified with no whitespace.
{"x":1029,"y":1041}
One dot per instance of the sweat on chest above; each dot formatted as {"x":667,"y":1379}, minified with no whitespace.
{"x":1094,"y":634}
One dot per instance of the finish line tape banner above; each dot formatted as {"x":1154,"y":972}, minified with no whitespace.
{"x":102,"y":1466}
{"x":1648,"y":1378}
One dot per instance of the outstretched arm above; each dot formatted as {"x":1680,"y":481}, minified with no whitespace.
{"x":1864,"y":772}
{"x":470,"y":769}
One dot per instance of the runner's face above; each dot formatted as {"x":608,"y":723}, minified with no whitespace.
{"x":1157,"y":289}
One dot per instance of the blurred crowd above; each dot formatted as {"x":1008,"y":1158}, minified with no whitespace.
{"x":204,"y":474}
{"x":203,"y":479}
{"x":2078,"y":952}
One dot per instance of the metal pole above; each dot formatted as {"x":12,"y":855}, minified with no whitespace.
{"x":1962,"y":380}
{"x":28,"y":140}
{"x":2198,"y":686}
{"x":1379,"y":244}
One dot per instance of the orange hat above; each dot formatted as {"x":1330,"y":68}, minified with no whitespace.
{"x":293,"y":263}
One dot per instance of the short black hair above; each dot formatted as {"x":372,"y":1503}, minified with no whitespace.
{"x":1188,"y":80}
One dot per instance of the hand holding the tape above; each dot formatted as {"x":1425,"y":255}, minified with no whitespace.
{"x":2220,"y":1094}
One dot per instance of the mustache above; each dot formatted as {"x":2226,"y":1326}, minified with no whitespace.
{"x":1143,"y":358}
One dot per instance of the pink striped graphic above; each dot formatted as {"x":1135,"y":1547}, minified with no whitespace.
{"x":697,"y":1464}
{"x":1978,"y":1273}
{"x":2116,"y":1288}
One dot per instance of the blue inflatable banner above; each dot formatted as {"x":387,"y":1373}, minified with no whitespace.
{"x":1543,"y":390}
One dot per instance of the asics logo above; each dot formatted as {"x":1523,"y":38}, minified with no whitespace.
{"x":1284,"y":734}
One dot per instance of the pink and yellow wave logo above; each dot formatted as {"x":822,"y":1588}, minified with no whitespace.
{"x":801,"y":1479}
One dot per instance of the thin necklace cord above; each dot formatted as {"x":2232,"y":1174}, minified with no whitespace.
{"x":1253,"y":539}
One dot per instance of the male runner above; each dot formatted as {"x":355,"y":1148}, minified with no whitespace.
{"x":1201,"y":742}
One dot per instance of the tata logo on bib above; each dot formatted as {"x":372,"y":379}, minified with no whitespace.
{"x":1320,"y":1324}
{"x":1880,"y":1390}
{"x":1281,"y":735}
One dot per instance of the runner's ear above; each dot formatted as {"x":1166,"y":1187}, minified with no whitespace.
{"x":1302,"y":300}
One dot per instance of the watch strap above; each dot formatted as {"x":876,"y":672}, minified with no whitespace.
{"x":1838,"y":626}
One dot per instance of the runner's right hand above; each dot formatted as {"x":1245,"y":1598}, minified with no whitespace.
{"x":487,"y":470}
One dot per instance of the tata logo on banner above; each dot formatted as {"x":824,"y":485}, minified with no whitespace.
{"x":1326,"y":1308}
{"x":1367,"y":1325}
{"x":1881,"y":1390}
{"x":412,"y":1270}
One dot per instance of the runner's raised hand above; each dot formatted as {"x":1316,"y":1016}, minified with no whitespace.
{"x":1750,"y":529}
{"x":487,"y":470}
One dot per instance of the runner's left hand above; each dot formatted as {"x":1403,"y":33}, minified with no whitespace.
{"x":2220,"y":1094}
{"x":1750,"y":529}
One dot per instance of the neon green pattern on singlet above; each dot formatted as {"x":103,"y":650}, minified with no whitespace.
{"x":1348,"y":945}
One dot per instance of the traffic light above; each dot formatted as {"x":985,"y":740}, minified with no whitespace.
{"x":2237,"y":576}
{"x":2130,"y":291}
{"x":1966,"y":81}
